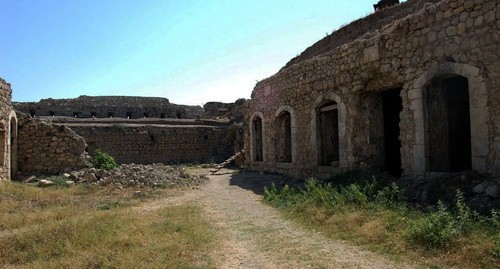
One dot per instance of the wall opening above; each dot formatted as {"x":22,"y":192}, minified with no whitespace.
{"x":448,"y":132}
{"x":13,"y":148}
{"x":162,"y":115}
{"x":52,"y":113}
{"x":128,"y":115}
{"x":75,"y":114}
{"x":393,"y":105}
{"x":328,"y":130}
{"x":3,"y":150}
{"x":110,"y":114}
{"x":32,"y":112}
{"x":145,"y":114}
{"x":284,"y":137}
{"x":257,"y":139}
{"x":93,"y":114}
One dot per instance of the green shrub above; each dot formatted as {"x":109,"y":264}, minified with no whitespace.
{"x":434,"y":230}
{"x":102,"y":160}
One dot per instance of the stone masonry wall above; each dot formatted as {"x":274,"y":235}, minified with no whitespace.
{"x":46,"y":148}
{"x":6,"y":130}
{"x":105,"y":106}
{"x":438,"y":40}
{"x":157,"y":143}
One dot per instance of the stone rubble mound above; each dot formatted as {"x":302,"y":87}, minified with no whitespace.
{"x":134,"y":175}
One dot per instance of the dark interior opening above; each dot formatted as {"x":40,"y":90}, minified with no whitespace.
{"x":448,"y":120}
{"x":145,"y":114}
{"x":284,"y":142}
{"x":128,"y":115}
{"x":75,"y":114}
{"x":393,"y":105}
{"x":162,"y":115}
{"x":257,"y":139}
{"x":52,"y":113}
{"x":32,"y":112}
{"x":329,"y":134}
{"x":110,"y":114}
{"x":93,"y":114}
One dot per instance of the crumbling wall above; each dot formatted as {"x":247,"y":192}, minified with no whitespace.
{"x":235,"y":112}
{"x":45,"y":148}
{"x":432,"y":39}
{"x":147,"y":144}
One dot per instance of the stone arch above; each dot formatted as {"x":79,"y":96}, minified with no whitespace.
{"x":316,"y":134}
{"x":292,"y":129}
{"x":12,"y":145}
{"x":257,"y":138}
{"x":478,"y":110}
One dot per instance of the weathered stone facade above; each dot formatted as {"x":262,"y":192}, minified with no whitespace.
{"x":400,"y":90}
{"x":46,"y":148}
{"x":8,"y":133}
{"x":109,"y":106}
{"x":155,"y":143}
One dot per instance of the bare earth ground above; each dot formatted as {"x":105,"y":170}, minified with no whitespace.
{"x":254,"y":235}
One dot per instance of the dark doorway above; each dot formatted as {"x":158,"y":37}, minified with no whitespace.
{"x":448,"y":122}
{"x":257,"y":139}
{"x":393,"y":105}
{"x":128,"y":115}
{"x":284,"y":142}
{"x":328,"y":129}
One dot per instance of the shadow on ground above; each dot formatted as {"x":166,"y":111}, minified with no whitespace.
{"x":256,"y":182}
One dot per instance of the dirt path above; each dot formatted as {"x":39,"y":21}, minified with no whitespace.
{"x":255,"y":236}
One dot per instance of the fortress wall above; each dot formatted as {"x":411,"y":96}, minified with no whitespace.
{"x":158,"y":144}
{"x":106,"y":106}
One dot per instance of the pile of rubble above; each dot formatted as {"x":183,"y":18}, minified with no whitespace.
{"x":130,"y":175}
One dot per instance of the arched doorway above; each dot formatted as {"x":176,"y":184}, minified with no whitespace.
{"x":13,"y":146}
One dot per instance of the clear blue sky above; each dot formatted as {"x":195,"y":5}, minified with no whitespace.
{"x":189,"y":51}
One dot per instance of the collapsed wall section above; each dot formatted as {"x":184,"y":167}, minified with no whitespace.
{"x":146,"y":144}
{"x":45,"y":148}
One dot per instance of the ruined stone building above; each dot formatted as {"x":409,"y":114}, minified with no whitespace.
{"x":412,"y":89}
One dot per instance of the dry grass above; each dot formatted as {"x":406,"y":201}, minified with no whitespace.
{"x":96,"y":228}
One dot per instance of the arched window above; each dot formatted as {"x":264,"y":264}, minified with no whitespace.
{"x":284,"y":137}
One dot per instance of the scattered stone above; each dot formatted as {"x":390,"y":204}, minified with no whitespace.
{"x":66,"y":175}
{"x":31,"y":179}
{"x":480,"y":188}
{"x":70,"y":183}
{"x":45,"y":183}
{"x":492,"y":191}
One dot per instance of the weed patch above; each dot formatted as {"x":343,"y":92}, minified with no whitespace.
{"x":373,"y":213}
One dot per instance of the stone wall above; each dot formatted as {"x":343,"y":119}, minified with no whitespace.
{"x":146,"y":144}
{"x":8,"y":133}
{"x":235,"y":112}
{"x":46,"y":148}
{"x":106,"y":106}
{"x":402,"y":50}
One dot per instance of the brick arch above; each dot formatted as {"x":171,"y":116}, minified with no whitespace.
{"x":342,"y":113}
{"x":255,"y":115}
{"x":293,"y":123}
{"x":479,"y":114}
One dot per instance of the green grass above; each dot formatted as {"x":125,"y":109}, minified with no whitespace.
{"x":373,"y":213}
{"x":96,"y":228}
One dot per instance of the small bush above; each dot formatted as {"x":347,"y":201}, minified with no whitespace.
{"x":434,"y":230}
{"x":102,"y":160}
